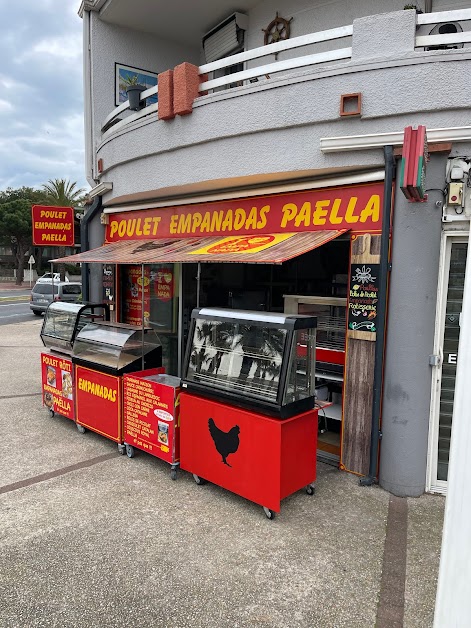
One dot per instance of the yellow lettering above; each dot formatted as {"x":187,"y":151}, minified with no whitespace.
{"x":146,"y":227}
{"x":113,"y":227}
{"x":371,"y":209}
{"x":334,"y":218}
{"x":304,"y":215}
{"x":205,"y":225}
{"x":263,"y":217}
{"x":156,"y":221}
{"x":197,"y":218}
{"x":349,"y":215}
{"x":173,"y":223}
{"x":320,"y":213}
{"x":122,"y":228}
{"x":131,"y":225}
{"x":138,"y":227}
{"x":216,"y":220}
{"x":239,"y":219}
{"x":227,"y":224}
{"x":252,"y":219}
{"x":289,"y":212}
{"x":184,"y":223}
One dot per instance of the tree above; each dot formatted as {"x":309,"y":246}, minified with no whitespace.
{"x":63,"y":193}
{"x":15,"y":228}
{"x":15,"y":223}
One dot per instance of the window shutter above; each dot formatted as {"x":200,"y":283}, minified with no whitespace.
{"x":225,"y":38}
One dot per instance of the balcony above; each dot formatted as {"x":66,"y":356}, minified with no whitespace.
{"x":273,"y":84}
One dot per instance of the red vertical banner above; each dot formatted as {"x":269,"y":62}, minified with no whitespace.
{"x":135,"y":285}
{"x":58,"y":384}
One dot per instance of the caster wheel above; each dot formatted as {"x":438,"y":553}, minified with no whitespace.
{"x":310,"y":490}
{"x":173,"y":474}
{"x":80,"y":428}
{"x":52,"y":414}
{"x":130,"y":451}
{"x":199,"y":480}
{"x":270,"y":514}
{"x":121,"y":450}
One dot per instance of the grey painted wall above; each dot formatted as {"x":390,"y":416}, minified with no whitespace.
{"x":410,"y":334}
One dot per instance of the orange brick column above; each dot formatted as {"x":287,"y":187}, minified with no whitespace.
{"x":186,"y":82}
{"x":165,"y":96}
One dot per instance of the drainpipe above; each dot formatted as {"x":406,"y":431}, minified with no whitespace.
{"x":85,"y":243}
{"x":384,"y":268}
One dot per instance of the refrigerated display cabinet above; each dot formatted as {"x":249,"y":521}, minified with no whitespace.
{"x":63,"y":321}
{"x":117,"y":348}
{"x":252,"y":360}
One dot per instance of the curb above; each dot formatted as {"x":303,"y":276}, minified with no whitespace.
{"x":20,"y":298}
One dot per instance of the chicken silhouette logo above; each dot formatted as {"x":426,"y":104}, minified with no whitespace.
{"x":226,"y":442}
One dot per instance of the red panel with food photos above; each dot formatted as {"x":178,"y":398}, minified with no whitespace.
{"x":57,"y":384}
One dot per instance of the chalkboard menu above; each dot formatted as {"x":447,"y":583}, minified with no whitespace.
{"x":363,"y":297}
{"x":108,"y":283}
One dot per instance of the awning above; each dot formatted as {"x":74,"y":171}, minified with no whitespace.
{"x":249,"y":249}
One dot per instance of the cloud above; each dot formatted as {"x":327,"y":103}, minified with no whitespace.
{"x":41,"y":100}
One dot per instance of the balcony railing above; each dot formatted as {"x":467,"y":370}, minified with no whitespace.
{"x":113,"y":121}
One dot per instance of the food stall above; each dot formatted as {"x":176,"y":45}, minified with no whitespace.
{"x":248,"y":417}
{"x":152,"y":416}
{"x":102,"y":353}
{"x":62,"y":322}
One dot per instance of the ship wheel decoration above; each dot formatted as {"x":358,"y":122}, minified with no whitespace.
{"x":277,"y":30}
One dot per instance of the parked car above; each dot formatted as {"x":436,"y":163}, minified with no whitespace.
{"x":47,"y":278}
{"x":42,"y":296}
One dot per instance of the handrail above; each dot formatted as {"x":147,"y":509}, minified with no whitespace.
{"x":280,"y":46}
{"x":444,"y":16}
{"x":442,"y":40}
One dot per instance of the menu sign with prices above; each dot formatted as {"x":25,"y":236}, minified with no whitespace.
{"x":57,"y":385}
{"x":363,"y":297}
{"x":151,"y":417}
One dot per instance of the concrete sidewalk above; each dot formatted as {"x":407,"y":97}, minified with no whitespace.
{"x":91,"y":538}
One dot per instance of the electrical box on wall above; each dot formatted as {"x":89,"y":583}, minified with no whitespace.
{"x":455,"y":193}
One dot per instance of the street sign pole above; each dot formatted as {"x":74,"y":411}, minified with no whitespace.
{"x":31,"y":261}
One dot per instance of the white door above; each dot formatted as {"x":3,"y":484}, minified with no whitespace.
{"x":450,"y":300}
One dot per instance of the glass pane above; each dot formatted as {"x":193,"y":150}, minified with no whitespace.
{"x":300,"y":376}
{"x":238,"y":357}
{"x":331,"y":324}
{"x":454,"y":305}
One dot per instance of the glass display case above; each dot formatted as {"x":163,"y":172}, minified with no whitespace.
{"x":117,"y":348}
{"x":63,"y":321}
{"x":256,"y":360}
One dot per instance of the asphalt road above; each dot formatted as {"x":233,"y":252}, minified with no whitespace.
{"x":14,"y":307}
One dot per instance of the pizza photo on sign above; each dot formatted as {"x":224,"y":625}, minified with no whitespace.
{"x":241,"y":243}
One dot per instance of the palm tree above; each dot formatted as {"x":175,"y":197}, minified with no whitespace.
{"x":63,"y":193}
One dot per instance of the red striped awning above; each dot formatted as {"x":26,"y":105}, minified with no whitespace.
{"x":252,"y":249}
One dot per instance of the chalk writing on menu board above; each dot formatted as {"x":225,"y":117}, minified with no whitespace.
{"x":108,"y":282}
{"x":363,"y":297}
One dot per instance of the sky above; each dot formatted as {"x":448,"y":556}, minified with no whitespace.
{"x":41,"y":99}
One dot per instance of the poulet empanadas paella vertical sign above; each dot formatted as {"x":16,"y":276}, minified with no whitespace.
{"x":52,"y":226}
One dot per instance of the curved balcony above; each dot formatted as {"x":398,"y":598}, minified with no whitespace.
{"x":271,"y":117}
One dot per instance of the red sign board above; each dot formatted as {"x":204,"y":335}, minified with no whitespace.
{"x":152,"y":416}
{"x":98,"y":398}
{"x":57,"y":384}
{"x":53,"y":226}
{"x":415,"y":156}
{"x":357,"y":208}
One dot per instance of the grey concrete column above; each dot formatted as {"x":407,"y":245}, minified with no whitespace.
{"x":410,"y":334}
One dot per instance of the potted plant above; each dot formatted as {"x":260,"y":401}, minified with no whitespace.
{"x":413,"y":6}
{"x":133,"y":91}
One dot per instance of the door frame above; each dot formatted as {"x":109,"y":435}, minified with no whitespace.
{"x":432,"y":484}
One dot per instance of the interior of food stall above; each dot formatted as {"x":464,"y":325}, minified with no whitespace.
{"x":312,"y":283}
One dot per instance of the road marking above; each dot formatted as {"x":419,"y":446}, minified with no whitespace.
{"x":24,"y":298}
{"x":54,"y":474}
{"x":14,"y":315}
{"x":12,"y":304}
{"x":393,"y":579}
